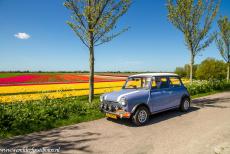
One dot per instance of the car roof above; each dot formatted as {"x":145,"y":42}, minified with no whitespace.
{"x":153,"y":74}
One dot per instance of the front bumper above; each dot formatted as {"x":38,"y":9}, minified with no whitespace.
{"x":115,"y":109}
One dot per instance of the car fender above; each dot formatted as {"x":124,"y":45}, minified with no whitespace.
{"x":138,"y":105}
{"x":185,"y":96}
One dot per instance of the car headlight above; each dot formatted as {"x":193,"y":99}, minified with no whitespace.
{"x":123,"y":101}
{"x":101,"y":98}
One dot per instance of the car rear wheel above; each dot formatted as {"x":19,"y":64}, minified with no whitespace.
{"x":141,"y":116}
{"x":185,"y":104}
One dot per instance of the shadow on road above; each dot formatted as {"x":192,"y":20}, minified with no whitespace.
{"x":156,"y":118}
{"x":53,"y":140}
{"x":211,"y":102}
{"x":196,"y":105}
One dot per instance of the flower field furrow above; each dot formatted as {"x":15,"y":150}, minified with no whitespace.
{"x":61,"y":94}
{"x":54,"y":78}
{"x":10,"y":94}
{"x":55,"y":87}
{"x":16,"y":79}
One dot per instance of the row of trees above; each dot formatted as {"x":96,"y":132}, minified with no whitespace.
{"x":93,"y":20}
{"x":208,"y":69}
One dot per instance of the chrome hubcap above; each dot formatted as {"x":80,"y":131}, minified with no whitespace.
{"x":142,"y":116}
{"x":186,"y":104}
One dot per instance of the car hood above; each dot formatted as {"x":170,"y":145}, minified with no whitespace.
{"x":127,"y":93}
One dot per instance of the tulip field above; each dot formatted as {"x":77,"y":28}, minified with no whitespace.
{"x":27,"y":87}
{"x":16,"y":87}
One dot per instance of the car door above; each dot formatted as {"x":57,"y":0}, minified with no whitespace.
{"x":159,"y":94}
{"x":176,"y":89}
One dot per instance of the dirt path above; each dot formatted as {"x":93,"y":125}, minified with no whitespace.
{"x":204,"y":130}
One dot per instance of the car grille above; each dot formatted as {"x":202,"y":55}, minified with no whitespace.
{"x":110,"y":106}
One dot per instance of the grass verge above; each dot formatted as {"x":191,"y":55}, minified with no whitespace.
{"x":23,"y":118}
{"x":208,"y":93}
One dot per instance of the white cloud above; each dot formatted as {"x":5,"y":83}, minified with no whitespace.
{"x":22,"y":36}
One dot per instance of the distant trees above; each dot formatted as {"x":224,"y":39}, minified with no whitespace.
{"x":185,"y":71}
{"x":211,"y":69}
{"x":180,"y":71}
{"x":92,"y":22}
{"x":208,"y":69}
{"x":188,"y":16}
{"x":223,"y":41}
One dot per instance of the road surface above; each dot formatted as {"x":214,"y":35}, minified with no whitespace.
{"x":203,"y":130}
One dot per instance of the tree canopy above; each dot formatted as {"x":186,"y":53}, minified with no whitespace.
{"x":98,"y":17}
{"x":223,"y":41}
{"x":211,"y":69}
{"x":193,"y":19}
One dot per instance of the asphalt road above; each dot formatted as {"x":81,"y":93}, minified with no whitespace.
{"x":203,"y":130}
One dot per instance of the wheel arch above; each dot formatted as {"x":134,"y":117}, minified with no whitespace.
{"x":139,"y":105}
{"x":185,"y":96}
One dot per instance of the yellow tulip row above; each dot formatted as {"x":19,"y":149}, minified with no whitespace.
{"x":54,"y":91}
{"x":56,"y":87}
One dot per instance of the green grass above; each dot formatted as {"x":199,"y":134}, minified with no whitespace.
{"x":6,"y":75}
{"x":32,"y":116}
{"x":208,"y":93}
{"x":12,"y":74}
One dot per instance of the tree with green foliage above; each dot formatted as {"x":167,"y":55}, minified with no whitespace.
{"x":180,"y":71}
{"x":211,"y":69}
{"x":185,"y":71}
{"x":223,"y":41}
{"x":193,"y":19}
{"x":93,"y":21}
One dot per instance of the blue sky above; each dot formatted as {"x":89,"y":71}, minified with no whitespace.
{"x":151,"y":44}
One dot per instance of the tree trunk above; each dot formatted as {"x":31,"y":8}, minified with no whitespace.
{"x":228,"y":67}
{"x":191,"y":68}
{"x":91,"y":73}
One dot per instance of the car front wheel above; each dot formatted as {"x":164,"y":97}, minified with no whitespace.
{"x":141,"y":116}
{"x":185,"y":105}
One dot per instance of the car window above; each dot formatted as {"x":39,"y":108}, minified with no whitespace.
{"x":160,"y":83}
{"x":154,"y":85}
{"x":137,"y":83}
{"x":134,"y":83}
{"x":174,"y":81}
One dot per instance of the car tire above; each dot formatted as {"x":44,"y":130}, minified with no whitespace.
{"x":185,"y":104}
{"x":141,"y":116}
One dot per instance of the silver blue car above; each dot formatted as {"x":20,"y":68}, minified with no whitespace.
{"x":146,"y":94}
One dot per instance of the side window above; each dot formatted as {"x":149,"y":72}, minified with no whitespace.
{"x":159,"y":83}
{"x":134,"y":83}
{"x":174,"y":81}
{"x":154,"y":85}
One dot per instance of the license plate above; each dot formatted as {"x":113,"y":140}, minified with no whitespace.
{"x":111,"y":115}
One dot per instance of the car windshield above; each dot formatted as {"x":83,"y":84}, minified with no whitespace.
{"x":137,"y":83}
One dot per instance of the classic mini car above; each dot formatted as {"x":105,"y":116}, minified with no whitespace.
{"x":146,"y":94}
